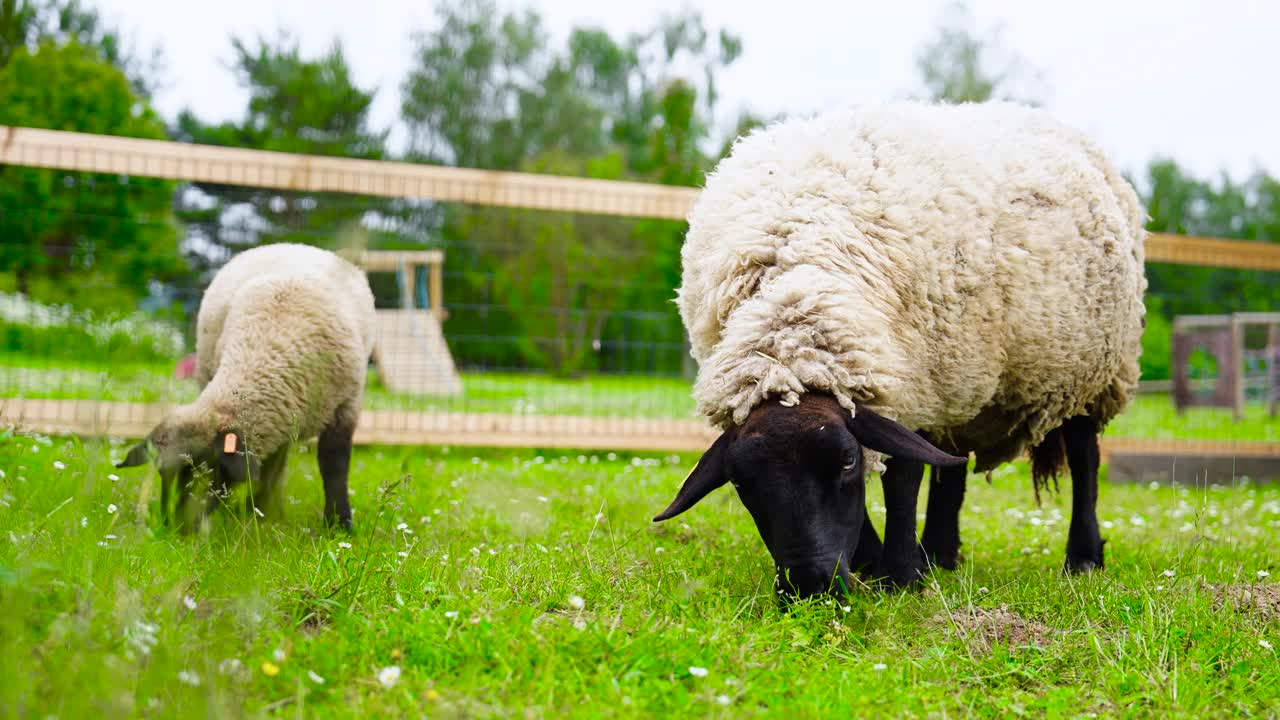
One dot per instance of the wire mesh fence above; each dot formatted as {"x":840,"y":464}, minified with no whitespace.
{"x":512,"y":309}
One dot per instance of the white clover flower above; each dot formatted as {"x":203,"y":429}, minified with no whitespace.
{"x":451,"y":614}
{"x":402,"y":526}
{"x":189,"y":602}
{"x":389,"y":676}
{"x":84,"y":521}
{"x":187,"y":677}
{"x":113,"y":477}
{"x":59,"y":465}
{"x":1168,"y":573}
{"x":111,"y":509}
{"x":228,"y":666}
{"x":698,"y":672}
{"x":279,"y":655}
{"x":1263,"y":574}
{"x":723,"y":700}
{"x":1264,"y":644}
{"x":344,"y":545}
{"x":403,"y":554}
{"x":576,"y":602}
{"x":879,"y":666}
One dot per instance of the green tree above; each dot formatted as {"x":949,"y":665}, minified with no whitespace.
{"x":299,"y":105}
{"x":108,"y":229}
{"x":961,"y":64}
{"x":488,"y":90}
{"x":26,"y":24}
{"x":1181,"y":204}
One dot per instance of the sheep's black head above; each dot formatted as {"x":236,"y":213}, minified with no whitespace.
{"x":799,"y":471}
{"x":180,"y":450}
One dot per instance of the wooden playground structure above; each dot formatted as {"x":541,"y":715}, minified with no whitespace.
{"x":409,"y":350}
{"x":1222,"y":338}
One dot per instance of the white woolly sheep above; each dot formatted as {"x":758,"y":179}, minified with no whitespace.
{"x":974,"y":272}
{"x":284,"y":336}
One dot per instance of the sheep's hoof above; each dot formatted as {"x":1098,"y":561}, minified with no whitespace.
{"x":1081,"y":566}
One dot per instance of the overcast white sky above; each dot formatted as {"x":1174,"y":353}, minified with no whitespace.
{"x":1185,"y":79}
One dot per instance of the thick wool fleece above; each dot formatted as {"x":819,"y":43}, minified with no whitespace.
{"x":284,"y":337}
{"x":973,"y":271}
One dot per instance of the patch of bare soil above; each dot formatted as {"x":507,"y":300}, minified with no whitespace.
{"x":982,"y":629}
{"x":1263,"y":599}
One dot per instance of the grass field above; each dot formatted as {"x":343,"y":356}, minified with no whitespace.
{"x":1150,"y":416}
{"x":505,"y":584}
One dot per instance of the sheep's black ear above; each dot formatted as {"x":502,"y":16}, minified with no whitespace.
{"x":884,"y":435}
{"x":139,"y":454}
{"x":707,"y":475}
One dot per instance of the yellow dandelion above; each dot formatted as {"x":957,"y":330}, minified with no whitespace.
{"x":396,"y":654}
{"x":270,"y":669}
{"x":432,"y":695}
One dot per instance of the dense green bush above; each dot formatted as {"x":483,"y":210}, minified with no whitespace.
{"x":64,"y":333}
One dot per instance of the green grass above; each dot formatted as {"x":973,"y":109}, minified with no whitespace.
{"x":474,"y":604}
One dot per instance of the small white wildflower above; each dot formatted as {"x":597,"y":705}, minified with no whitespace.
{"x":403,"y":554}
{"x":1263,"y":574}
{"x":258,"y":511}
{"x":228,"y":666}
{"x":1159,"y":588}
{"x":389,"y":676}
{"x":659,"y":549}
{"x":579,"y":623}
{"x":723,"y":700}
{"x":102,"y":544}
{"x":187,"y":677}
{"x":1154,"y":485}
{"x":983,"y":590}
{"x":1168,"y":573}
{"x":576,"y":602}
{"x":111,"y":509}
{"x":698,"y":672}
{"x":109,"y":537}
{"x":846,"y":608}
{"x":879,"y":666}
{"x":402,"y":526}
{"x":1137,"y":520}
{"x":344,"y":545}
{"x":543,"y":498}
{"x":84,"y":522}
{"x":59,"y":465}
{"x":113,"y":477}
{"x":315,"y":678}
{"x":1264,"y":644}
{"x":451,"y":614}
{"x":279,"y":655}
{"x":190,"y":603}
{"x":1027,"y":551}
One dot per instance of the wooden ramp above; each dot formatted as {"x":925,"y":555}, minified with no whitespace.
{"x":412,"y":356}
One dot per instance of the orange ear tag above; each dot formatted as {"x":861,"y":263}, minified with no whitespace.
{"x":229,"y":444}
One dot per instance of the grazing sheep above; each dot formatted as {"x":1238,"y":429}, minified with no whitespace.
{"x":284,"y":336}
{"x":973,"y":272}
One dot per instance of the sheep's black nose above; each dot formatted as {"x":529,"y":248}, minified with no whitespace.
{"x":798,"y":583}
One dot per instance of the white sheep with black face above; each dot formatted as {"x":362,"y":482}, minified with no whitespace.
{"x":284,"y":336}
{"x":972,"y":273}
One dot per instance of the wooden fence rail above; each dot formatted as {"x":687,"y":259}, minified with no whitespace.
{"x":85,"y":152}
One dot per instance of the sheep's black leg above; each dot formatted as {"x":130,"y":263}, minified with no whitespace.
{"x":940,"y":541}
{"x":166,"y":497}
{"x":268,"y":481}
{"x":900,"y":562}
{"x":1084,"y":543}
{"x":333,"y":452}
{"x":866,"y":557}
